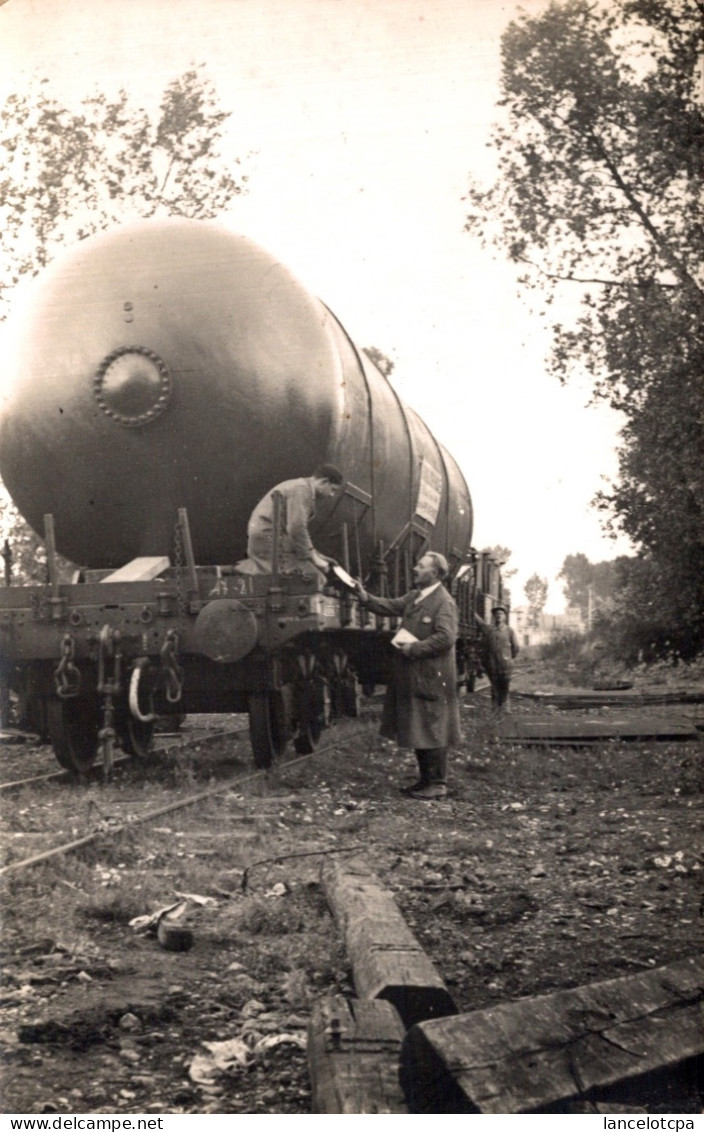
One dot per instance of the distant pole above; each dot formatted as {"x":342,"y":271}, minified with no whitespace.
{"x":590,"y":606}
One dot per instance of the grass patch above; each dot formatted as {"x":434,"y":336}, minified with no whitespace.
{"x":109,"y":908}
{"x":270,"y":916}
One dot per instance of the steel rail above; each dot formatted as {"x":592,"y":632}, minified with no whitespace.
{"x":96,"y":769}
{"x":182,"y":803}
{"x":56,"y":776}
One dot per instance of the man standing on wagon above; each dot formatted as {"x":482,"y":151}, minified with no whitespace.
{"x":298,"y":499}
{"x":421,"y":709}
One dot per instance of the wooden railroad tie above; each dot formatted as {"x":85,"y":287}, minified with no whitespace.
{"x":387,"y":960}
{"x":526,"y":1056}
{"x":564,"y":730}
{"x":353,"y":1056}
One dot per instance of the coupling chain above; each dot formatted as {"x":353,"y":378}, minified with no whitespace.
{"x":178,"y":564}
{"x":109,"y":649}
{"x":67,"y":676}
{"x":109,"y":686}
{"x":173,"y":673}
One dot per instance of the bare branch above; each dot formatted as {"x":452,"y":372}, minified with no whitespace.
{"x":624,"y":283}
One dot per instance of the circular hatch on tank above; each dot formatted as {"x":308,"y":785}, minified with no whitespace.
{"x":132,"y":385}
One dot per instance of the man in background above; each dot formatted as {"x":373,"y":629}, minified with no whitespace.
{"x":500,"y":647}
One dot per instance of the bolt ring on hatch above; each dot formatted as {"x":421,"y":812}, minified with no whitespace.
{"x":132,"y":385}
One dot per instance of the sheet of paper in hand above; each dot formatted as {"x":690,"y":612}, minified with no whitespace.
{"x":344,"y":577}
{"x":403,"y":637}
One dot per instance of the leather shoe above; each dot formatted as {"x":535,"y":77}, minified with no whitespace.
{"x":429,"y":793}
{"x":411,"y":789}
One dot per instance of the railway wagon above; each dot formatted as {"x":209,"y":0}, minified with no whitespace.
{"x":161,"y":378}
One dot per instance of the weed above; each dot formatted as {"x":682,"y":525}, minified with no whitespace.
{"x":296,"y":988}
{"x":262,"y":916}
{"x":109,"y":908}
{"x":569,"y":660}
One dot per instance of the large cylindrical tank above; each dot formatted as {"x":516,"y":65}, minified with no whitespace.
{"x":171,"y":364}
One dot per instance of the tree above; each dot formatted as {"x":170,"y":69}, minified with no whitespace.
{"x":582,"y":576}
{"x":639,"y":625}
{"x":501,"y":555}
{"x":23,"y":553}
{"x":598,"y":193}
{"x":577,"y":574}
{"x":66,"y":174}
{"x":536,"y":590}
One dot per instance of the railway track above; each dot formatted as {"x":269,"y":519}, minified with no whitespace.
{"x":503,"y":886}
{"x":162,"y":749}
{"x":108,"y":829}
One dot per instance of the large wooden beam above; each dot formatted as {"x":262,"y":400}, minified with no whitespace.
{"x":387,"y":960}
{"x":139,"y":570}
{"x":581,"y":730}
{"x":527,"y":1055}
{"x":353,"y":1056}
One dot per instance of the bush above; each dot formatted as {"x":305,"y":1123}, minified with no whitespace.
{"x":651,"y":620}
{"x":568,"y":659}
{"x":580,"y":661}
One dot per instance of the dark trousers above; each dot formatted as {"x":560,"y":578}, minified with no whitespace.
{"x":432,"y":765}
{"x":500,"y":683}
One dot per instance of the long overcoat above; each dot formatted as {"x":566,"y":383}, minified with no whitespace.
{"x":421,"y":710}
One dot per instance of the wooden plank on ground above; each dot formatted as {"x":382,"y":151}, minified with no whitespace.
{"x":139,"y":570}
{"x":387,"y":960}
{"x":579,"y":730}
{"x":527,"y":1055}
{"x":354,"y":1049}
{"x":591,"y":698}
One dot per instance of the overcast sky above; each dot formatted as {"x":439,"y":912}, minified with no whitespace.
{"x":365,"y":119}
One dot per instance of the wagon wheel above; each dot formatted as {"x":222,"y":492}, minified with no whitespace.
{"x":73,"y":731}
{"x":313,"y":715}
{"x":268,"y":732}
{"x":4,"y":702}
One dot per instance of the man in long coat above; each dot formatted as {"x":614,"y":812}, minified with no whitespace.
{"x":421,"y":709}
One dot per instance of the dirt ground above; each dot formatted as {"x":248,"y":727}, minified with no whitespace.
{"x":544,"y":868}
